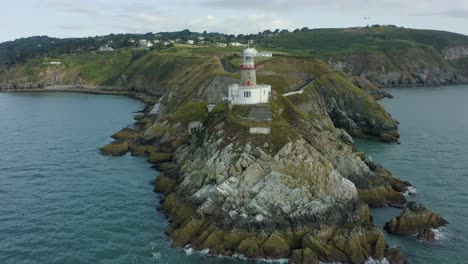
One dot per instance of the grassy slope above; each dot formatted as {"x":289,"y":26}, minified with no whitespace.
{"x":377,"y":51}
{"x":329,"y":42}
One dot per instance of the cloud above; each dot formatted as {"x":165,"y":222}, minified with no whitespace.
{"x":458,"y":8}
{"x":85,"y":7}
{"x":451,"y":13}
{"x":239,"y":24}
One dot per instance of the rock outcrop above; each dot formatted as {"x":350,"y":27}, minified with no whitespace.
{"x":414,"y":218}
{"x":291,"y":194}
{"x":455,"y":53}
{"x":427,"y":235}
{"x":405,"y":66}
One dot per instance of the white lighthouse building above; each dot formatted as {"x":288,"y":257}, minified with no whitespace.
{"x":248,"y":92}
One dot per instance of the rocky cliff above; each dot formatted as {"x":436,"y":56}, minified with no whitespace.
{"x":301,"y":192}
{"x":404,"y":66}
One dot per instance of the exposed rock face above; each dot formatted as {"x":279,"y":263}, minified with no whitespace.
{"x":455,"y":53}
{"x":427,"y":235}
{"x":290,"y":194}
{"x":405,"y":67}
{"x":116,"y":148}
{"x":214,"y":90}
{"x":413,"y":219}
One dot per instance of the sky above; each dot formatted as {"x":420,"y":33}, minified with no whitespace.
{"x":82,"y":18}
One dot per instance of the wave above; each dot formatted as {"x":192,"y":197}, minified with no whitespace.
{"x":190,"y":251}
{"x":411,"y":192}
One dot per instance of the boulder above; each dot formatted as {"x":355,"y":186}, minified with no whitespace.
{"x":427,"y":234}
{"x":414,"y":219}
{"x":159,"y":157}
{"x":116,"y":148}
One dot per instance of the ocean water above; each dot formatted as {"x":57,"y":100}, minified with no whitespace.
{"x":63,"y":202}
{"x":433,"y":156}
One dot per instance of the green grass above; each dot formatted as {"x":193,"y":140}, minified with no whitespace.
{"x":192,"y":111}
{"x":326,"y":42}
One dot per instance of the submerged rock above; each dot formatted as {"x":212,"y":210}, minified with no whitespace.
{"x":414,"y":218}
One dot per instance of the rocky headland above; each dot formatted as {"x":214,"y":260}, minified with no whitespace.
{"x":301,"y":192}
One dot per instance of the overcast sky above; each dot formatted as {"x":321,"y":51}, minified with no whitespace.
{"x":81,"y":18}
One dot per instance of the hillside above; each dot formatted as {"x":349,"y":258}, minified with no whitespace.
{"x":386,"y":55}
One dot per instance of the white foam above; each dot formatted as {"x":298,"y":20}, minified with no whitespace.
{"x":156,"y":255}
{"x":440,"y":233}
{"x":411,"y":192}
{"x":373,"y":261}
{"x":190,"y":251}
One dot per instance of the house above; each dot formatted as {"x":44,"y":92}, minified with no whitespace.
{"x":190,"y":42}
{"x":105,"y":48}
{"x":236,"y":44}
{"x":220,"y":44}
{"x":201,"y":38}
{"x":142,"y":43}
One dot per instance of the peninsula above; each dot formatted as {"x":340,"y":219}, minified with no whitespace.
{"x":259,"y":161}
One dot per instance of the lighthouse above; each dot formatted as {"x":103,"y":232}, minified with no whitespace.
{"x":247,"y":91}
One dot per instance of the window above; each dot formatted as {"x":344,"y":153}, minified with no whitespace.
{"x":247,"y":94}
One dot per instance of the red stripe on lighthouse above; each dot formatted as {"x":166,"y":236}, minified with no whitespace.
{"x":248,"y":67}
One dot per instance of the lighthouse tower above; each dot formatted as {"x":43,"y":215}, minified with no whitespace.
{"x":248,"y":74}
{"x":248,"y":92}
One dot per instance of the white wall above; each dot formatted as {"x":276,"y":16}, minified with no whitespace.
{"x":258,"y":94}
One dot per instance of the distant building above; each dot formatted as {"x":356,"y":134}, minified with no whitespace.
{"x":53,"y":63}
{"x":106,"y":47}
{"x":172,"y":41}
{"x":220,"y":44}
{"x":264,"y":54}
{"x":165,"y":43}
{"x":248,"y":92}
{"x":190,"y":42}
{"x":201,"y":38}
{"x":237,"y":44}
{"x":156,"y":41}
{"x":142,"y":43}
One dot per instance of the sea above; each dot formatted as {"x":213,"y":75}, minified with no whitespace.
{"x":61,"y":201}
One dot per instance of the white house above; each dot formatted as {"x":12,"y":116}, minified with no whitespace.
{"x":142,"y":42}
{"x":105,"y":48}
{"x":220,"y":44}
{"x":190,"y":42}
{"x":237,"y":44}
{"x":247,"y":91}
